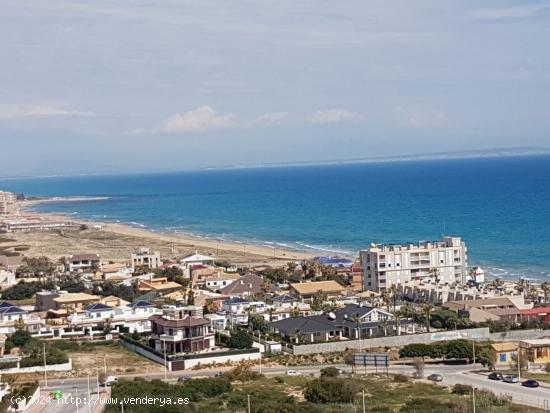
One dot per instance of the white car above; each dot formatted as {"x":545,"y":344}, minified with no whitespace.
{"x":293,"y":373}
{"x":110,"y":380}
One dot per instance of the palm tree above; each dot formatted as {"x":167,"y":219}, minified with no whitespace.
{"x":434,"y":274}
{"x":386,"y":297}
{"x":393,"y":295}
{"x":545,"y":286}
{"x":427,"y":309}
{"x":398,"y":315}
{"x":270,"y":311}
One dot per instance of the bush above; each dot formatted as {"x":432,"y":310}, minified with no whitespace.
{"x":400,"y":378}
{"x":462,"y":389}
{"x":240,"y":339}
{"x":331,"y":390}
{"x":243,"y":373}
{"x":329,"y":372}
{"x":8,"y":365}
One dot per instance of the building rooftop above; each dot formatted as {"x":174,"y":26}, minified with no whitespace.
{"x":312,"y":287}
{"x":75,"y":297}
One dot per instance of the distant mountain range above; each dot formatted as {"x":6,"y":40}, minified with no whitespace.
{"x":482,"y":153}
{"x":472,"y":154}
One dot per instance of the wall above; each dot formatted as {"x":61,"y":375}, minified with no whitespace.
{"x":37,"y":369}
{"x":517,"y":335}
{"x":393,"y":341}
{"x":143,"y":352}
{"x":188,"y":364}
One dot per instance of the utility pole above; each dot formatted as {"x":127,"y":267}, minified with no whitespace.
{"x":474,"y":351}
{"x":76,"y":399}
{"x":248,"y":402}
{"x":89,"y":394}
{"x":45,"y":372}
{"x":97,"y":381}
{"x":473,"y":399}
{"x":364,"y":407}
{"x":259,"y":342}
{"x":519,"y":362}
{"x":165,"y":363}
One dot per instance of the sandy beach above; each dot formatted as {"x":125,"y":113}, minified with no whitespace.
{"x":115,"y":241}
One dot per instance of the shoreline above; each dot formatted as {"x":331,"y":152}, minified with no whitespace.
{"x":231,"y":250}
{"x":222,"y":247}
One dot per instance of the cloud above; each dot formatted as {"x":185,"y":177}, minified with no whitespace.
{"x":21,"y":111}
{"x":270,"y":119}
{"x":523,"y":11}
{"x":420,"y":117}
{"x":201,"y":119}
{"x":335,"y":115}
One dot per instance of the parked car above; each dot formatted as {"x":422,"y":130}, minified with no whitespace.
{"x":293,"y":373}
{"x":110,"y":380}
{"x":530,"y":383}
{"x":495,"y":376}
{"x":510,"y":378}
{"x":435,"y":377}
{"x":183,"y":379}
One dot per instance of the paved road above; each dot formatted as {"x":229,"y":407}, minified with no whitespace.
{"x":539,"y":397}
{"x":452,"y":374}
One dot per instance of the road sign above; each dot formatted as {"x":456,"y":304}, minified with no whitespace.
{"x":371,"y":359}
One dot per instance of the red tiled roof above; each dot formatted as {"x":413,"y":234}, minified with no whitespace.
{"x":536,"y":311}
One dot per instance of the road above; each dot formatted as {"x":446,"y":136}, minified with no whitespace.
{"x":452,"y":374}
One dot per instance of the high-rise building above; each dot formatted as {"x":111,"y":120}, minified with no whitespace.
{"x":437,"y":261}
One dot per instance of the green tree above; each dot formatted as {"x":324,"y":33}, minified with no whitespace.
{"x":240,"y":339}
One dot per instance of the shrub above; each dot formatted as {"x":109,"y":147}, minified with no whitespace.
{"x":329,"y":372}
{"x":243,"y":373}
{"x":462,"y":389}
{"x":240,"y":339}
{"x":331,"y":390}
{"x":400,"y":378}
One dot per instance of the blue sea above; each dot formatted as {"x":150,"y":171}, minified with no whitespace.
{"x":500,"y":206}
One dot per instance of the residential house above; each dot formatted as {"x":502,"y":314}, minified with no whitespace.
{"x":351,"y":322}
{"x":13,"y":317}
{"x":83,"y":262}
{"x":7,"y":279}
{"x":144,"y":257}
{"x":489,"y":309}
{"x":220,"y":281}
{"x":536,"y":313}
{"x":248,"y":285}
{"x":62,"y":303}
{"x":160,"y":284}
{"x":133,"y":317}
{"x":197,"y":259}
{"x":11,"y":262}
{"x":178,"y":332}
{"x":537,"y":351}
{"x":306,"y":290}
{"x":504,"y":354}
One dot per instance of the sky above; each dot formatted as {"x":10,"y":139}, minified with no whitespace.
{"x":110,"y":86}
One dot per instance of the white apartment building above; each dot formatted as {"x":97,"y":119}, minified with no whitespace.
{"x":442,"y":262}
{"x":146,"y":258}
{"x":6,"y":198}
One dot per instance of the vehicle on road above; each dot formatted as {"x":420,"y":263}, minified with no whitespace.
{"x":495,"y":376}
{"x":110,"y":380}
{"x":530,"y":383}
{"x":183,"y":379}
{"x":218,"y":374}
{"x":435,"y":377}
{"x":510,"y":378}
{"x":293,"y":373}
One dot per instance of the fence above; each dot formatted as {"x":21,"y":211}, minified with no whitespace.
{"x":393,"y":341}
